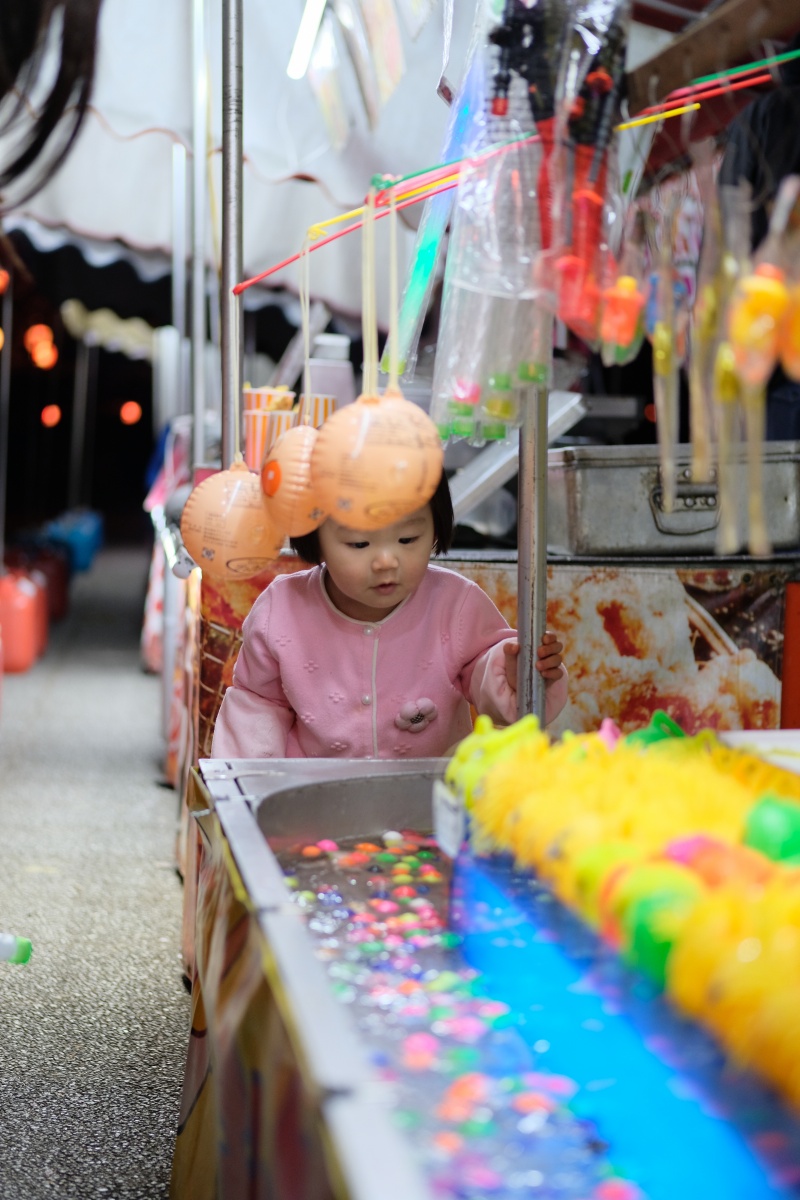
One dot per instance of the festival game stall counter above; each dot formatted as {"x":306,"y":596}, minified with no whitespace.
{"x":372,"y":1018}
{"x":713,"y":642}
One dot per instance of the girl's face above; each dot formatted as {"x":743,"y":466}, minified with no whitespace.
{"x":369,"y":574}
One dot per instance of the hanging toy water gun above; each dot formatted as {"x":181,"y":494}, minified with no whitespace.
{"x":591,"y":115}
{"x":622,"y":325}
{"x":530,"y":42}
{"x":708,"y":307}
{"x":727,"y":384}
{"x":727,"y":395}
{"x":667,"y":299}
{"x":757,"y":310}
{"x":789,"y":335}
{"x":789,"y":331}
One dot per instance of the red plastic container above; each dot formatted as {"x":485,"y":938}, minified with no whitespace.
{"x":20,"y":622}
{"x":53,"y":562}
{"x":39,"y":580}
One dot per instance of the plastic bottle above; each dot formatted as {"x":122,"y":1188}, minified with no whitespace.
{"x":14,"y":949}
{"x":330,"y":369}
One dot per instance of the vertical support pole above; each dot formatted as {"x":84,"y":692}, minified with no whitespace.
{"x":232,"y":154}
{"x":179,"y":238}
{"x":532,"y":553}
{"x":5,"y":406}
{"x":199,"y":188}
{"x":80,"y":396}
{"x":90,"y":436}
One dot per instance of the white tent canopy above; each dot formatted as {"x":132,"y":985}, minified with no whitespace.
{"x":116,"y":185}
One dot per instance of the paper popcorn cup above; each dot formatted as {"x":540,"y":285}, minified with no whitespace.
{"x":268,"y":398}
{"x":255,"y":436}
{"x":261,"y":431}
{"x":316,"y":409}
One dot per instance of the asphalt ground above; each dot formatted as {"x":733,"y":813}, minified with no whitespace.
{"x":94,"y":1029}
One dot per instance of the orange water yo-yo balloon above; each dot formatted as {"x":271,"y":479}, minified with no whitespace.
{"x":226,"y":527}
{"x":291,"y":497}
{"x":376,"y":461}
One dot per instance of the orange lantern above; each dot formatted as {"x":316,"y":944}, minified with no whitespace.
{"x":35,"y":334}
{"x":130,"y":412}
{"x":44,"y":355}
{"x":376,"y":461}
{"x":286,"y":481}
{"x":50,"y":416}
{"x":226,"y":527}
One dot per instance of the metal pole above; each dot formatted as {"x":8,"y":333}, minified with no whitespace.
{"x":80,"y":393}
{"x":5,"y":408}
{"x":179,"y":238}
{"x":232,"y":153}
{"x":532,"y":554}
{"x":92,"y":366}
{"x":199,"y":186}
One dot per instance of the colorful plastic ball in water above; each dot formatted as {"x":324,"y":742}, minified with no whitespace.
{"x":652,"y":925}
{"x":291,"y":498}
{"x":634,"y":883}
{"x":225,"y":525}
{"x":376,"y":461}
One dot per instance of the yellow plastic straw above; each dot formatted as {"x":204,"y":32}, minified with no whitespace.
{"x":662,"y":116}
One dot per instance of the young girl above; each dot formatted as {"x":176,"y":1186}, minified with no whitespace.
{"x":374,"y":653}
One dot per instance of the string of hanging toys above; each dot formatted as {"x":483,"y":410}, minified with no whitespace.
{"x":544,"y":224}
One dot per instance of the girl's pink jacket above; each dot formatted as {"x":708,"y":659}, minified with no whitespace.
{"x":312,"y":683}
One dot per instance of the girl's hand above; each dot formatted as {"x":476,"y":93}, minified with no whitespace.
{"x":511,"y":651}
{"x":548,"y":658}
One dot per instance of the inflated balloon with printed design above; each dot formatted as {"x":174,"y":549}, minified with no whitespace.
{"x":291,"y":497}
{"x":376,"y":461}
{"x":226,"y":527}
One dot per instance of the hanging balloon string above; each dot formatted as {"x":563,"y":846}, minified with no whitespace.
{"x":304,"y":292}
{"x":369,"y":385}
{"x":236,"y":333}
{"x":394,"y":304}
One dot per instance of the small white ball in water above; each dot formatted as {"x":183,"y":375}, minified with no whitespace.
{"x":392,"y":837}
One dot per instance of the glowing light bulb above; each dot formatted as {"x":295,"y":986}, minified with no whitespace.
{"x":130,"y":413}
{"x":44,"y":355}
{"x":36,"y":334}
{"x":50,"y":416}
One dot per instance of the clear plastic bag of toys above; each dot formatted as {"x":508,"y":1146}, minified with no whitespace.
{"x":488,"y":296}
{"x":492,"y":342}
{"x":580,"y":163}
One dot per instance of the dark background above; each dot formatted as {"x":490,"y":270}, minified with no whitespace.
{"x":117,"y":457}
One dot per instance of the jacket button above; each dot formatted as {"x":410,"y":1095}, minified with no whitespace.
{"x":367,"y":629}
{"x":366,"y":699}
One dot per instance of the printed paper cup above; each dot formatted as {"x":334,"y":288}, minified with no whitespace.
{"x":319,"y":408}
{"x":269,"y":398}
{"x":261,"y":431}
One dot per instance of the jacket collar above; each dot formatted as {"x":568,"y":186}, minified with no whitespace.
{"x":352,"y":620}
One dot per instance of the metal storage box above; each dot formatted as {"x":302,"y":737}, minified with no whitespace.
{"x":607,"y":500}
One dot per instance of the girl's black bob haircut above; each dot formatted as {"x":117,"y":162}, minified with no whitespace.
{"x":308,"y":548}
